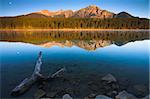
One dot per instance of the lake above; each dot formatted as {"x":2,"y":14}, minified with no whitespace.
{"x":87,"y":56}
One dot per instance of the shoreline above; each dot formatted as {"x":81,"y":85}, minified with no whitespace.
{"x":74,"y":29}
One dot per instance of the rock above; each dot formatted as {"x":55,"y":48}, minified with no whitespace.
{"x":60,"y":94}
{"x":115,"y":92}
{"x":146,"y":97}
{"x":125,"y":95}
{"x":51,"y":94}
{"x":93,"y":87}
{"x":115,"y":86}
{"x":107,"y":88}
{"x":67,"y":96}
{"x":124,"y":83}
{"x":112,"y":93}
{"x":109,"y":78}
{"x":140,"y":89}
{"x":102,"y":97}
{"x":92,"y":95}
{"x":70,"y":90}
{"x":41,"y":86}
{"x":86,"y":98}
{"x":40,"y":93}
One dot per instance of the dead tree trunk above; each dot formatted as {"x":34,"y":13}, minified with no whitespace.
{"x":28,"y":82}
{"x":36,"y":76}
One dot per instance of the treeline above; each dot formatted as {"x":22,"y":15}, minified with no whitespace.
{"x":46,"y":36}
{"x":72,"y":23}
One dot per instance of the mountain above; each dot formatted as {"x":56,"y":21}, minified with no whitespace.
{"x":91,"y":11}
{"x":60,"y":13}
{"x":123,"y":15}
{"x":34,"y":15}
{"x":45,"y":12}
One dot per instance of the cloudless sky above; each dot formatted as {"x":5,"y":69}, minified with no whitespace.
{"x":17,"y":7}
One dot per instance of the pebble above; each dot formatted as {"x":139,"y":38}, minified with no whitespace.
{"x":67,"y":96}
{"x":109,"y":78}
{"x":51,"y":94}
{"x":140,"y":89}
{"x":102,"y":97}
{"x":40,"y":93}
{"x":146,"y":97}
{"x":91,"y":95}
{"x":125,"y":95}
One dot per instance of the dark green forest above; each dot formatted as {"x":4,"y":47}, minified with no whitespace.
{"x":72,"y":23}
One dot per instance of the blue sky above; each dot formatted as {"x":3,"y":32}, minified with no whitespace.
{"x":17,"y":7}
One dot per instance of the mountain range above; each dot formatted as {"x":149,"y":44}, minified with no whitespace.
{"x":91,"y":11}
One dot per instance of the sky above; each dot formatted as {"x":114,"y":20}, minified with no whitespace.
{"x":138,"y":8}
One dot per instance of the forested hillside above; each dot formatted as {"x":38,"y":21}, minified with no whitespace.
{"x":72,"y":23}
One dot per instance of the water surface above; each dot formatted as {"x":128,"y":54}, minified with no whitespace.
{"x":85,"y":54}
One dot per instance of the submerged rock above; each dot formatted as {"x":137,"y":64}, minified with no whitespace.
{"x":140,"y":89}
{"x":93,"y":87}
{"x":109,"y":78}
{"x":102,"y":97}
{"x":67,"y":96}
{"x":51,"y":94}
{"x":40,"y":86}
{"x":40,"y":93}
{"x":115,"y":86}
{"x":91,"y":95}
{"x":125,"y":95}
{"x":112,"y":93}
{"x":146,"y":97}
{"x":110,"y":85}
{"x":124,"y":83}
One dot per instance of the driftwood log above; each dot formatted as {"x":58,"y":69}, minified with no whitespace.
{"x":35,"y":77}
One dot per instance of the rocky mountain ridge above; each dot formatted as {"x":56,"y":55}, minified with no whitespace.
{"x":91,"y":11}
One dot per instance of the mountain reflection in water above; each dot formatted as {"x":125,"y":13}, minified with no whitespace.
{"x":85,"y":40}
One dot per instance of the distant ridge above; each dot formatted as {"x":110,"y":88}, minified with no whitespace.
{"x":123,"y":15}
{"x":33,"y":15}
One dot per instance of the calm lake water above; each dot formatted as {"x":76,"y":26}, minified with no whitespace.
{"x":84,"y":54}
